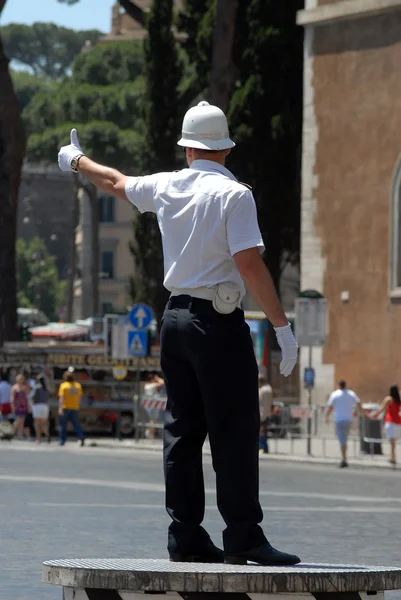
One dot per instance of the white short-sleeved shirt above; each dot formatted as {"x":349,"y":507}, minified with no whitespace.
{"x":205,"y":217}
{"x":343,"y":402}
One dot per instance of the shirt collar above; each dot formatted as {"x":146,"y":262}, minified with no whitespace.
{"x":211,"y":165}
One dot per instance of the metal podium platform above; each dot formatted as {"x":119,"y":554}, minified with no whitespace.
{"x":132,"y":579}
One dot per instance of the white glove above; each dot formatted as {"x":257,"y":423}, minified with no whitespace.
{"x":289,"y":349}
{"x":68,"y":153}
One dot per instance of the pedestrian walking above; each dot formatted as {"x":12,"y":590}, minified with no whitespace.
{"x":20,"y":404}
{"x":391,"y":406}
{"x":265,"y":409}
{"x":5,"y":395}
{"x":70,"y":394}
{"x":343,"y":401}
{"x":40,"y":410}
{"x":212,"y":249}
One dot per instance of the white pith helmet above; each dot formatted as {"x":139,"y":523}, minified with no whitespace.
{"x":205,"y":127}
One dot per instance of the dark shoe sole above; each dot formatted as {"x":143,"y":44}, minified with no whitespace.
{"x":193,"y":558}
{"x":238,"y":560}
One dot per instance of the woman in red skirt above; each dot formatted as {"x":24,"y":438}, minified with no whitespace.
{"x":392,"y":419}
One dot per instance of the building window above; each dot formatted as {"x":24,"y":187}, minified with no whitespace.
{"x":107,"y":308}
{"x":107,"y":266}
{"x":395,"y":261}
{"x":106,"y":208}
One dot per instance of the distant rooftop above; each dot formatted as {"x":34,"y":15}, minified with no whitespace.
{"x":125,"y":28}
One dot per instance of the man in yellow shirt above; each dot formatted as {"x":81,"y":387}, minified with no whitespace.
{"x":69,"y":394}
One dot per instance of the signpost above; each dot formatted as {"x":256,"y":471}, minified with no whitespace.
{"x":137,"y":343}
{"x":310,"y":331}
{"x":140,"y":317}
{"x":127,"y":336}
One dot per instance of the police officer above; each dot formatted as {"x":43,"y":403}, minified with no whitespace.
{"x":212,"y":249}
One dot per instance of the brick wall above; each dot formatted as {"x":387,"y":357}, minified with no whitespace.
{"x":356,"y":87}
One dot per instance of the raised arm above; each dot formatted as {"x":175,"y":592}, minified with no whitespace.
{"x":71,"y":158}
{"x":382,"y":407}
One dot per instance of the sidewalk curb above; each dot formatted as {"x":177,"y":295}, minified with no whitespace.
{"x":314,"y":460}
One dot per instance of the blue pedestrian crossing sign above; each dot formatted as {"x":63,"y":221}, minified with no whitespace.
{"x":140,"y":316}
{"x":137,"y":343}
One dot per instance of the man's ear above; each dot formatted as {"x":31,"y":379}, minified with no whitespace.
{"x":228,"y":151}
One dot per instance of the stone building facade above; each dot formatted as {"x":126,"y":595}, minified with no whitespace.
{"x":351,"y":234}
{"x":46,"y":210}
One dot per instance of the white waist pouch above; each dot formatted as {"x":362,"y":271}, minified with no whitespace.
{"x":226,"y":298}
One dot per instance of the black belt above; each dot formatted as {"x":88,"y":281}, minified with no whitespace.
{"x":185,"y":301}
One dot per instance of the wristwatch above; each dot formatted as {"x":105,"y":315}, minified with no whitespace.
{"x":74,"y":163}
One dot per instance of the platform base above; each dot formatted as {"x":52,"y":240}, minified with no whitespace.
{"x":152,"y":579}
{"x":96,"y":594}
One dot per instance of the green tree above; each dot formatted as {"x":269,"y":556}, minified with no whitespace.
{"x":196,"y":20}
{"x":45,"y":48}
{"x":265,"y":114}
{"x":27,"y":86}
{"x":12,"y":149}
{"x":110,"y":63}
{"x":161,"y":126}
{"x":37,"y":279}
{"x":119,"y":104}
{"x":107,"y":115}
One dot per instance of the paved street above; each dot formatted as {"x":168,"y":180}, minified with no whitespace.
{"x":91,"y":502}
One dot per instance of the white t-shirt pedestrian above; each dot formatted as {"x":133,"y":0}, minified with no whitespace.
{"x":343,"y":402}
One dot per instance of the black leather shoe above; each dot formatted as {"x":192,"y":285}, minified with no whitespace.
{"x":263,"y":555}
{"x":209,"y":554}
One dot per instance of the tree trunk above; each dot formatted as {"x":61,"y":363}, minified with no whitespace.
{"x":223,"y":71}
{"x":92,"y":195}
{"x":12,"y":150}
{"x":73,"y":253}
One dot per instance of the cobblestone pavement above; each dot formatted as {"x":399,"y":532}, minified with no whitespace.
{"x":98,"y":502}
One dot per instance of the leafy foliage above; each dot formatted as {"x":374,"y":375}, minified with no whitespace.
{"x":26,"y":86}
{"x":119,"y":104}
{"x":37,"y":280}
{"x":266,"y":119}
{"x":45,"y":48}
{"x":102,"y":140}
{"x":110,"y":63}
{"x":108,"y":116}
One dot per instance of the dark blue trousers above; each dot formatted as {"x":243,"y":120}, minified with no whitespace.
{"x":69,"y":415}
{"x":211,"y":377}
